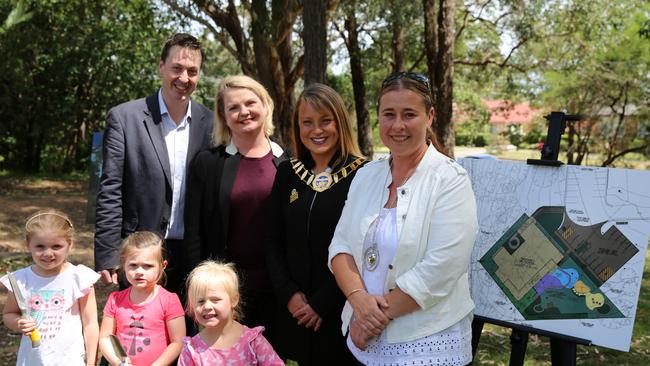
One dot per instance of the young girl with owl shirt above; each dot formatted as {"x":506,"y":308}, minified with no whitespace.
{"x":61,"y":310}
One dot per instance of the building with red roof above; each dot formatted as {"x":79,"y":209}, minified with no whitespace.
{"x":504,"y":113}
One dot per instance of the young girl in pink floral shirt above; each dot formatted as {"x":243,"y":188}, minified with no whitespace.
{"x":213,"y":303}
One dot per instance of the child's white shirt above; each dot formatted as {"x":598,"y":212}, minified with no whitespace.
{"x":52,"y":303}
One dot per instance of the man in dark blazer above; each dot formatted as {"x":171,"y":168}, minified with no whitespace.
{"x":148,"y":144}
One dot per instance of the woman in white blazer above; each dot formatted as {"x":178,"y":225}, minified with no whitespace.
{"x":401,"y":249}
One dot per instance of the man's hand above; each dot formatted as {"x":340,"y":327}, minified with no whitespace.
{"x":108,"y":276}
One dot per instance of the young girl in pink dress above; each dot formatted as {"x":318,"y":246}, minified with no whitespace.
{"x":147,"y":319}
{"x":213,"y":302}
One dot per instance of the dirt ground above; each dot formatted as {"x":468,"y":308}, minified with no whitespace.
{"x":18,"y":199}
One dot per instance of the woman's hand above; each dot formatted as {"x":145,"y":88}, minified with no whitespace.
{"x":308,"y":317}
{"x":303,"y":312}
{"x":369,"y":312}
{"x":26,"y":325}
{"x":359,"y":336}
{"x":297,"y":301}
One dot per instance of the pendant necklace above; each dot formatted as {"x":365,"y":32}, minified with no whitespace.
{"x":326,"y":179}
{"x":371,"y":253}
{"x":322,"y":181}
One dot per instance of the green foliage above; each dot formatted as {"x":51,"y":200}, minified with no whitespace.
{"x":218,"y":63}
{"x":537,"y":132}
{"x":515,"y":136}
{"x":472,"y":116}
{"x":594,"y":63}
{"x":64,"y":68}
{"x":17,"y":15}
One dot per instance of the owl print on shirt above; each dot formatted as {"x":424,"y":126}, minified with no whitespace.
{"x":47,"y":308}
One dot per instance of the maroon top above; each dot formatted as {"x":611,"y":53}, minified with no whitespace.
{"x":248,"y":200}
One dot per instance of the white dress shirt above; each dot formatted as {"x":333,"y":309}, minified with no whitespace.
{"x":177,"y":139}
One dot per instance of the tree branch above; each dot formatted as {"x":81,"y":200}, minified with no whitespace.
{"x":417,"y":62}
{"x":626,"y":151}
{"x":295,"y":74}
{"x":220,"y":35}
{"x":486,"y":62}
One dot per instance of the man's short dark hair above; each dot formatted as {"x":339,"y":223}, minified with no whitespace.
{"x":183,"y":40}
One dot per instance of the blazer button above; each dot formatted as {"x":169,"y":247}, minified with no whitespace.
{"x":390,"y":266}
{"x":403,"y":192}
{"x":404,"y":217}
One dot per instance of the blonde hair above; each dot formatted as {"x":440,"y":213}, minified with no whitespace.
{"x":50,"y":220}
{"x":321,"y":96}
{"x":208,"y":275}
{"x":221,"y":134}
{"x":141,"y":240}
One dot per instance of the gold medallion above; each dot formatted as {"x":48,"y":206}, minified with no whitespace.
{"x":322,"y":181}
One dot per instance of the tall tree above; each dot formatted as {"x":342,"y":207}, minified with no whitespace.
{"x":70,"y":62}
{"x":259,"y":34}
{"x":439,"y":33}
{"x":609,"y":88}
{"x":314,"y":35}
{"x":398,"y":37}
{"x":351,"y":38}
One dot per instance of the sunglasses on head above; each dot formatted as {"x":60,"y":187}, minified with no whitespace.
{"x":415,"y":76}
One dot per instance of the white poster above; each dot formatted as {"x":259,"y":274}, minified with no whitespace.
{"x":560,"y":249}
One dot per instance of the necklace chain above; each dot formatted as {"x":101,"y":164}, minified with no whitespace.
{"x":309,"y":178}
{"x":392,"y":202}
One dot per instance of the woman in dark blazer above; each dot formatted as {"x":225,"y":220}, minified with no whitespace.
{"x":228,"y":189}
{"x":308,"y":195}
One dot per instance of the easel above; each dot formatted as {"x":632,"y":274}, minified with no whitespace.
{"x":563,"y":347}
{"x":556,"y":125}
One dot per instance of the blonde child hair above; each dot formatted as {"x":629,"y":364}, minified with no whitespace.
{"x":140,"y":240}
{"x":207,"y":275}
{"x":71,"y":324}
{"x":49,"y":220}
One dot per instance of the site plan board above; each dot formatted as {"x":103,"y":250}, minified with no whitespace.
{"x":560,"y":249}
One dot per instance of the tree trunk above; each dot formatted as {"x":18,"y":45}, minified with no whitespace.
{"x":274,"y":59}
{"x":397,"y":43}
{"x":33,"y":145}
{"x":314,"y":37}
{"x":364,"y":131}
{"x":439,"y":27}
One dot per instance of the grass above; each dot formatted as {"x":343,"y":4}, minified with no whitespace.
{"x":32,"y":177}
{"x":494,"y":347}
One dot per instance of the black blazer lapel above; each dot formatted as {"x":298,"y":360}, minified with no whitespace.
{"x":199,"y":128}
{"x":230,"y":167}
{"x":153,"y":123}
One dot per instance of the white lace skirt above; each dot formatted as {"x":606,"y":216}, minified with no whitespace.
{"x":450,"y":347}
